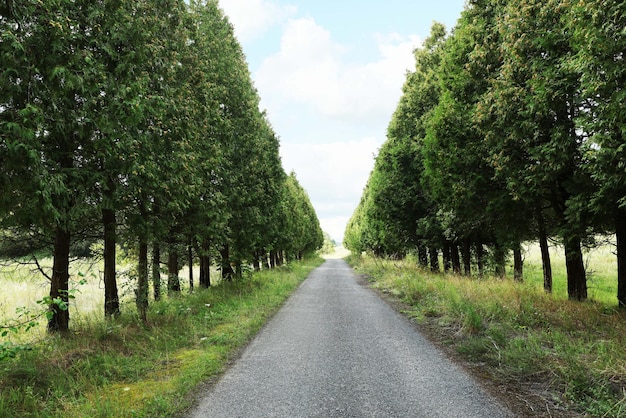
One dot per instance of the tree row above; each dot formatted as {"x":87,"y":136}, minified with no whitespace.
{"x":510,"y":129}
{"x":136,"y":122}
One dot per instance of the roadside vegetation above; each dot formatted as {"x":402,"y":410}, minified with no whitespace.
{"x":510,"y":129}
{"x":126,"y":367}
{"x":554,"y":356}
{"x":135,"y":125}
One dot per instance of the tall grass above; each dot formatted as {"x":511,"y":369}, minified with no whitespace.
{"x":570,"y":353}
{"x":600,"y":265}
{"x":125,"y":368}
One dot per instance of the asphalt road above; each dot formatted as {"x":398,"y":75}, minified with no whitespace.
{"x":337,"y":350}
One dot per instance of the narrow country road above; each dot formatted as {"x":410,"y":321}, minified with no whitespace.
{"x":337,"y":350}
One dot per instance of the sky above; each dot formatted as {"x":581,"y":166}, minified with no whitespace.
{"x":330,"y":75}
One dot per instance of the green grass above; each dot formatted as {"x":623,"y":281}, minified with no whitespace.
{"x":520,"y":336}
{"x":600,"y":265}
{"x":123,"y":368}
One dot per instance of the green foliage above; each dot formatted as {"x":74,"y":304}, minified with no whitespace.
{"x":303,"y":234}
{"x":509,"y":129}
{"x":329,"y":244}
{"x":137,"y":120}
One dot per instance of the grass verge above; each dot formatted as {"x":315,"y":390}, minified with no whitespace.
{"x":122,"y":368}
{"x":553,"y":356}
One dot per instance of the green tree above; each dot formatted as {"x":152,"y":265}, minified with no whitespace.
{"x":457,"y":172}
{"x":539,"y":153}
{"x":47,"y":88}
{"x":599,"y":42}
{"x":302,"y":233}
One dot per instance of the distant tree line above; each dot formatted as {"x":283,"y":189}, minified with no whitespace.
{"x":510,"y":129}
{"x":137,"y":122}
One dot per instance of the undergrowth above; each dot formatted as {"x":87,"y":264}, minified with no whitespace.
{"x":123,"y":368}
{"x":572,"y":353}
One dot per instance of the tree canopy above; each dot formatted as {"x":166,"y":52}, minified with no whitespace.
{"x":138,"y":122}
{"x":509,"y":129}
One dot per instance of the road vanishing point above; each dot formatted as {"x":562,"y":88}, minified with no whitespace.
{"x":335,"y":349}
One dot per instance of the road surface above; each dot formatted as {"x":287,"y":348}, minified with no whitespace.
{"x":337,"y":350}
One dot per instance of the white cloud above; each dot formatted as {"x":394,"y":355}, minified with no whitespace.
{"x":253,"y":17}
{"x":312,"y":69}
{"x":335,"y":226}
{"x":326,"y":103}
{"x":334,"y":175}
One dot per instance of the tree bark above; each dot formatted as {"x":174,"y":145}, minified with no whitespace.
{"x":111,"y":296}
{"x":256,"y":264}
{"x":433,"y":255}
{"x":156,"y":270}
{"x":190,"y":263}
{"x":59,"y":284}
{"x":227,"y":270}
{"x":447,"y":256}
{"x":518,"y":263}
{"x":545,"y":253}
{"x":272,"y":259}
{"x":266,"y":262}
{"x":173,"y":281}
{"x":205,"y":265}
{"x":456,"y":260}
{"x":467,"y":257}
{"x":620,"y":235}
{"x":480,"y":258}
{"x":141,"y":293}
{"x":499,"y":255}
{"x":422,"y":256}
{"x":576,"y":278}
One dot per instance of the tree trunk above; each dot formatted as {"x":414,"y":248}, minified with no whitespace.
{"x":576,"y":279}
{"x":447,"y":256}
{"x":518,"y":263}
{"x":499,"y":255}
{"x":190,"y":263}
{"x":205,"y":265}
{"x":456,"y":260}
{"x":141,"y":293}
{"x":433,"y":255}
{"x":173,"y":281}
{"x":266,"y":262}
{"x":59,"y":284}
{"x":272,"y":259}
{"x":156,"y":270}
{"x":545,"y":253}
{"x":467,"y":257}
{"x":227,"y":270}
{"x":422,"y":256}
{"x":620,"y":235}
{"x":256,"y":264}
{"x":205,"y":271}
{"x":111,"y":296}
{"x":480,"y":258}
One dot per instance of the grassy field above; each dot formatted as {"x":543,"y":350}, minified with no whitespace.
{"x":556,"y":357}
{"x":123,"y":368}
{"x":600,"y":264}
